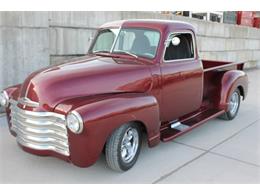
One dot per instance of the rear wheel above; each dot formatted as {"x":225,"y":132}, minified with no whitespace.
{"x":123,"y":147}
{"x":233,"y":106}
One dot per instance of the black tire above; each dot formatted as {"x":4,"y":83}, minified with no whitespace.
{"x":230,"y":115}
{"x":114,"y":145}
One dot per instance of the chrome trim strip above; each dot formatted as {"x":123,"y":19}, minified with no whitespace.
{"x":27,"y":89}
{"x":37,"y":122}
{"x":27,"y":102}
{"x":40,"y":130}
{"x":40,"y":120}
{"x":35,"y":139}
{"x":38,"y":146}
{"x":5,"y":94}
{"x":39,"y":114}
{"x":114,"y":43}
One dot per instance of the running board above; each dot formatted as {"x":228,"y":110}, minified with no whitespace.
{"x":180,"y":127}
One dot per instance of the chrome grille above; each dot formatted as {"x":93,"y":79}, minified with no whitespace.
{"x":40,"y":130}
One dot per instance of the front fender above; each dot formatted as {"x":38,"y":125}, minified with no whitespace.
{"x":101,"y":118}
{"x":13,"y":91}
{"x":232,"y":80}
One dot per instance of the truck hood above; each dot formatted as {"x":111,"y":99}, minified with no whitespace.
{"x":89,"y":76}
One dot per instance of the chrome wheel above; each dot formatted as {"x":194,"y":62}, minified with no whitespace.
{"x":123,"y":146}
{"x":234,"y":103}
{"x":129,"y":145}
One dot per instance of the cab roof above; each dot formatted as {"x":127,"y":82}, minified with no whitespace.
{"x":160,"y":25}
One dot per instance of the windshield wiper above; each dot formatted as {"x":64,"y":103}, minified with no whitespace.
{"x":126,"y":52}
{"x":101,"y":51}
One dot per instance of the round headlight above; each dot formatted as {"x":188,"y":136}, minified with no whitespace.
{"x":4,"y":99}
{"x":74,"y":122}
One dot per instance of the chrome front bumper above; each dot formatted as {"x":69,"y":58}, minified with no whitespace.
{"x":39,"y":130}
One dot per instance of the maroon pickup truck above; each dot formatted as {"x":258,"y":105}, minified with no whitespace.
{"x":139,"y":78}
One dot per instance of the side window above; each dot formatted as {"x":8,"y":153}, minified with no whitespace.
{"x":183,"y":50}
{"x":104,"y":41}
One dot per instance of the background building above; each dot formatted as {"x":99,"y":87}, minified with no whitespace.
{"x":31,"y":40}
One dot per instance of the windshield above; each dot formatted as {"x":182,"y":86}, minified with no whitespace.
{"x":131,"y":41}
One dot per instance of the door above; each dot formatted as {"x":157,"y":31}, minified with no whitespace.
{"x":182,"y":77}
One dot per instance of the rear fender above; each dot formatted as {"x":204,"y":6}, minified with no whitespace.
{"x":230,"y":81}
{"x":103,"y":117}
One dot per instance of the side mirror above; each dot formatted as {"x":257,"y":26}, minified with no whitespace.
{"x":176,"y":41}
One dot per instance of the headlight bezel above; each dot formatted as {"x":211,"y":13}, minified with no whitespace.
{"x":4,"y":95}
{"x":79,"y":120}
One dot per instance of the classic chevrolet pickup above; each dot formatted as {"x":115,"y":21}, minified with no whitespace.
{"x":140,"y":77}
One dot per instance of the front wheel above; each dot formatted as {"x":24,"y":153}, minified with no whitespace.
{"x":123,"y":147}
{"x":233,"y":106}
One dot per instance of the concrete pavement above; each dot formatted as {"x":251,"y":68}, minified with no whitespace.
{"x":216,"y":152}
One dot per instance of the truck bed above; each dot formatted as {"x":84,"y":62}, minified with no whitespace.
{"x":213,"y":73}
{"x":210,"y":65}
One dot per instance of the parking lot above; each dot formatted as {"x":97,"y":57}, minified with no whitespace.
{"x":216,"y":152}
